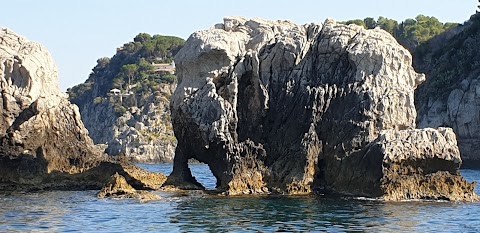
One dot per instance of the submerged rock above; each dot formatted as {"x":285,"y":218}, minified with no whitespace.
{"x":118,"y":187}
{"x":43,"y":142}
{"x":279,"y":107}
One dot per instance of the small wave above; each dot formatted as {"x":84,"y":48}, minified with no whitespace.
{"x":367,"y":199}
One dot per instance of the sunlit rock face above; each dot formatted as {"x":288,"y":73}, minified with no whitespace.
{"x":275,"y":107}
{"x":43,"y":142}
{"x":40,"y":130}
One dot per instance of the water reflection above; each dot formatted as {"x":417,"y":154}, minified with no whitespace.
{"x":82,"y":212}
{"x":322,"y":214}
{"x":34,"y":211}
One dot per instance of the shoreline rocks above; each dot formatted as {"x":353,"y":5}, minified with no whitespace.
{"x":275,"y":107}
{"x":118,"y":187}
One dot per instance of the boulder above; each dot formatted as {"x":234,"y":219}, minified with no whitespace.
{"x":43,"y":142}
{"x":118,"y":187}
{"x":275,"y":107}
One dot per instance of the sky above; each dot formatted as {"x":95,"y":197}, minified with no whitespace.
{"x":77,"y":33}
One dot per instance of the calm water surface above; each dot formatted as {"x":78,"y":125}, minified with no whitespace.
{"x":61,"y":211}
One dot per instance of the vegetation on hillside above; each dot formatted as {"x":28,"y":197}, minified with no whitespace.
{"x":130,"y":69}
{"x":449,"y":59}
{"x":410,"y":32}
{"x":445,"y":46}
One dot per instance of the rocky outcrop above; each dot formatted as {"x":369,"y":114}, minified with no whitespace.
{"x":421,"y":164}
{"x":125,"y":100}
{"x":142,"y":132}
{"x":279,"y":107}
{"x":451,"y":95}
{"x":43,"y":142}
{"x":118,"y":187}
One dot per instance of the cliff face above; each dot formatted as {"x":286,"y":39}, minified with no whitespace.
{"x":134,"y":121}
{"x":43,"y":142}
{"x":278,"y":107}
{"x":40,"y":131}
{"x":142,"y":131}
{"x":451,"y":95}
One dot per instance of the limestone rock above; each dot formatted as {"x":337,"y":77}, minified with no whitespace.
{"x":272,"y":106}
{"x":43,"y":142}
{"x":143,"y":179}
{"x":143,"y":133}
{"x":422,"y":164}
{"x":41,"y":132}
{"x":117,"y":187}
{"x":461,"y":111}
{"x":451,"y":95}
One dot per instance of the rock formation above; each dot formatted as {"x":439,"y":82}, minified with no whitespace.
{"x":283,"y":108}
{"x":143,"y":132}
{"x":43,"y":142}
{"x":450,"y":96}
{"x":124,"y":103}
{"x":118,"y":187}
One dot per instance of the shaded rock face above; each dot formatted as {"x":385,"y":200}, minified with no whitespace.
{"x":43,"y":142}
{"x":278,"y":107}
{"x":143,"y":132}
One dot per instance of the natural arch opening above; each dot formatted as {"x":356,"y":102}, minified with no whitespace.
{"x":202,"y":173}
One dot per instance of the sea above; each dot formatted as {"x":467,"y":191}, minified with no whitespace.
{"x":82,"y":211}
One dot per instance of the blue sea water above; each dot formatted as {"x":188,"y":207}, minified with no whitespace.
{"x":81,"y":211}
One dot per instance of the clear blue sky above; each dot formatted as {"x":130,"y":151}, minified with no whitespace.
{"x":77,"y":33}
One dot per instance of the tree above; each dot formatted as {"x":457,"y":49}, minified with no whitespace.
{"x":449,"y":25}
{"x":358,"y":22}
{"x":370,"y":23}
{"x":103,"y":62}
{"x":142,"y":38}
{"x":129,"y":70}
{"x":144,"y":65}
{"x":148,"y":49}
{"x":389,"y":25}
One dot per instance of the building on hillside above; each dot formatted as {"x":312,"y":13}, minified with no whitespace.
{"x":114,"y":92}
{"x":164,"y":67}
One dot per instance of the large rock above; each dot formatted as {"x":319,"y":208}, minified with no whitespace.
{"x":118,"y":187}
{"x":279,"y":107}
{"x":43,"y":142}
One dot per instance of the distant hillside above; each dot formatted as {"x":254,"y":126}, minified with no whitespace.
{"x":125,"y":100}
{"x":132,"y":61}
{"x":451,"y":94}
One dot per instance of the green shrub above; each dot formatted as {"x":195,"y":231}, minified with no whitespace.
{"x":98,"y":100}
{"x":119,"y":109}
{"x":169,"y":78}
